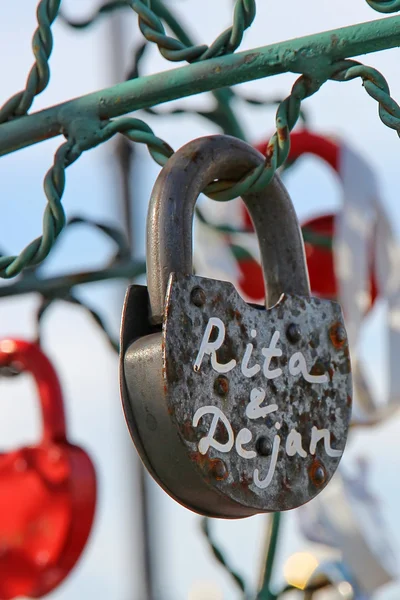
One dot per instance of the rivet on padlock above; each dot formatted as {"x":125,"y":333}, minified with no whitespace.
{"x":234,"y":409}
{"x":47,"y":492}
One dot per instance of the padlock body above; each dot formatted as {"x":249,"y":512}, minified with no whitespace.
{"x":47,"y":503}
{"x":155,"y":434}
{"x":235,"y":409}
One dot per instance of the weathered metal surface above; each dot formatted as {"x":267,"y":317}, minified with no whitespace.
{"x":262,"y":408}
{"x":263,"y":425}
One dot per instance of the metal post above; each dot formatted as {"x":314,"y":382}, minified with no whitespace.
{"x":124,"y":153}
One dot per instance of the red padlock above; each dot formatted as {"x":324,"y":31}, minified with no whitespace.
{"x":47,"y":492}
{"x":320,"y":260}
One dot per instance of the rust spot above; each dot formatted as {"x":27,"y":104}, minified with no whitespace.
{"x":334,"y":40}
{"x":188,"y":431}
{"x":221,"y":385}
{"x":318,"y":368}
{"x":245,"y":481}
{"x":217,"y":299}
{"x":317,"y":473}
{"x":283,"y":134}
{"x":218,"y":469}
{"x":337,"y":334}
{"x":269,"y":154}
{"x":201,"y":459}
{"x":249,"y":58}
{"x":235,"y":314}
{"x":214,"y":467}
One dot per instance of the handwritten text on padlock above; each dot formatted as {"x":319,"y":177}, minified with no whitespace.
{"x":297,"y":366}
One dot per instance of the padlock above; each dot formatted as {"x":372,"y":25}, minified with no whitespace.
{"x":47,"y":492}
{"x":235,"y":409}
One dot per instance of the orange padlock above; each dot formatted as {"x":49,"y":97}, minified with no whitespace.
{"x":47,"y":492}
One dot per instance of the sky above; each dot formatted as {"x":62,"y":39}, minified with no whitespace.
{"x":81,"y":63}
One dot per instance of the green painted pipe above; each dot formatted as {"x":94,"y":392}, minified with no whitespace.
{"x":312,"y":55}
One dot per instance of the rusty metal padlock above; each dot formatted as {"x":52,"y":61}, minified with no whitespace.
{"x":234,"y":409}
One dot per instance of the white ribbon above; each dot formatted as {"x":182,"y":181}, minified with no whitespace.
{"x":363,"y":234}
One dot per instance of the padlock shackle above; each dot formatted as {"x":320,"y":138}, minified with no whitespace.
{"x":31,"y":359}
{"x":171,"y":209}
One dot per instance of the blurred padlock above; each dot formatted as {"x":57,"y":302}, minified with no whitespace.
{"x":319,"y":579}
{"x":235,"y":409}
{"x":331,"y":580}
{"x":47,"y":492}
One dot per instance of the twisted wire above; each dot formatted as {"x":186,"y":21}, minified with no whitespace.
{"x":136,"y":130}
{"x":287,"y":115}
{"x":175,"y":50}
{"x":278,"y":147}
{"x":384,"y":6}
{"x":375,"y":85}
{"x":150,"y":13}
{"x":99,"y":11}
{"x":223,"y":115}
{"x":220,"y":557}
{"x":54,"y":185}
{"x":277,"y":152}
{"x":65,"y":291}
{"x":53,"y":218}
{"x":39,"y":75}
